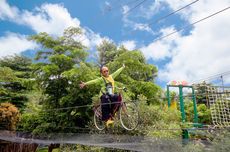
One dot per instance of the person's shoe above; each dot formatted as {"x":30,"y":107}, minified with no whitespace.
{"x":109,"y":123}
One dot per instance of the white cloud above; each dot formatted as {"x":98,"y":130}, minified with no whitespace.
{"x":136,"y":26}
{"x":130,"y":45}
{"x":142,"y":27}
{"x":125,"y":9}
{"x":198,"y":9}
{"x":50,"y":18}
{"x":7,"y":12}
{"x":14,"y":44}
{"x":150,"y":10}
{"x":160,"y":50}
{"x":93,"y":39}
{"x":143,"y":12}
{"x":205,"y":51}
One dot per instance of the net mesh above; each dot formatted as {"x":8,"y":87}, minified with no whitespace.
{"x":218,"y":98}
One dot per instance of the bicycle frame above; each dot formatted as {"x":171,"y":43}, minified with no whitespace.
{"x":117,"y":107}
{"x":126,"y":113}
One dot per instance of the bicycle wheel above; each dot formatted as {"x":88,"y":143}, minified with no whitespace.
{"x":129,"y":115}
{"x":97,"y":118}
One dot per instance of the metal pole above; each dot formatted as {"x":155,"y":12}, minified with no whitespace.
{"x":185,"y":134}
{"x":194,"y":106}
{"x":168,"y":96}
{"x":181,"y":103}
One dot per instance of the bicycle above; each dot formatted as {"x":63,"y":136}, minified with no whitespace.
{"x":126,"y":112}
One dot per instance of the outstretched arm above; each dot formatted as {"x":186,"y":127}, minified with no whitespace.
{"x":83,"y":84}
{"x":116,"y":73}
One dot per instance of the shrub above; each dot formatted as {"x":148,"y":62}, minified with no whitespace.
{"x":9,"y":116}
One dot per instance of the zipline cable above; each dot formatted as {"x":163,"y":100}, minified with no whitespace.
{"x":170,"y":14}
{"x":131,"y":9}
{"x":189,"y":25}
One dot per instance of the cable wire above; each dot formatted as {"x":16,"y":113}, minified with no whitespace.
{"x":189,"y":25}
{"x":212,"y":77}
{"x":118,"y":6}
{"x":170,"y":14}
{"x":131,"y":9}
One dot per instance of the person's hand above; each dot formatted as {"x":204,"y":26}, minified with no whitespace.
{"x":123,"y":65}
{"x":82,"y":85}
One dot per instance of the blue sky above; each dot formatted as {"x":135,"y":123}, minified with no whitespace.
{"x":193,"y":54}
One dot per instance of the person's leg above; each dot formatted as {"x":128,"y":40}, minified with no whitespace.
{"x":105,"y":107}
{"x":114,"y":103}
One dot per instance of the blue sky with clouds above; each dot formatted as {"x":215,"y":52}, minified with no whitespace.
{"x":197,"y":52}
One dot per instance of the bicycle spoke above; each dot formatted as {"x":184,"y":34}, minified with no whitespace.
{"x":129,"y":116}
{"x":99,"y":124}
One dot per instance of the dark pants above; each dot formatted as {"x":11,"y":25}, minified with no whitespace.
{"x":109,"y":105}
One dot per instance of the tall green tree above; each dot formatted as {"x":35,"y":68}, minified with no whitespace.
{"x":19,"y":64}
{"x":15,"y":74}
{"x":57,"y":57}
{"x":107,"y":51}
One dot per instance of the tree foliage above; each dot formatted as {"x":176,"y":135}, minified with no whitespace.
{"x":15,"y":74}
{"x":62,"y":66}
{"x":59,"y":55}
{"x":106,"y":52}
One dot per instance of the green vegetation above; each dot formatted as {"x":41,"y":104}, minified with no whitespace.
{"x":62,"y":65}
{"x":45,"y":91}
{"x":204,"y":113}
{"x":15,"y":80}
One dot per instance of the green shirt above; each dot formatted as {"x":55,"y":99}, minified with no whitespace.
{"x":110,"y":79}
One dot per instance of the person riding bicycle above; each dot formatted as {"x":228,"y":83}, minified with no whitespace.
{"x":107,"y":92}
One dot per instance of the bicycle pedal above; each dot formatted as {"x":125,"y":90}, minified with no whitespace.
{"x":110,"y":123}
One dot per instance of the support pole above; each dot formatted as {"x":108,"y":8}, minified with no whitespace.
{"x":194,"y":106}
{"x":181,"y":103}
{"x":168,"y":96}
{"x":185,"y":134}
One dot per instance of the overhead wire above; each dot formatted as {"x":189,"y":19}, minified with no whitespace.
{"x":212,"y":77}
{"x":111,"y":8}
{"x":189,"y":25}
{"x":92,"y":105}
{"x":118,"y":6}
{"x":159,"y":19}
{"x":172,"y":13}
{"x":166,"y":16}
{"x":136,"y":101}
{"x":131,"y":9}
{"x":182,"y":28}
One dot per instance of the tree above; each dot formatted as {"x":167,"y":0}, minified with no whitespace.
{"x":15,"y":74}
{"x":19,"y":64}
{"x":107,"y":51}
{"x":59,"y":55}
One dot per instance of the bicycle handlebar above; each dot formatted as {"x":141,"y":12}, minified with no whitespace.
{"x":122,"y":89}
